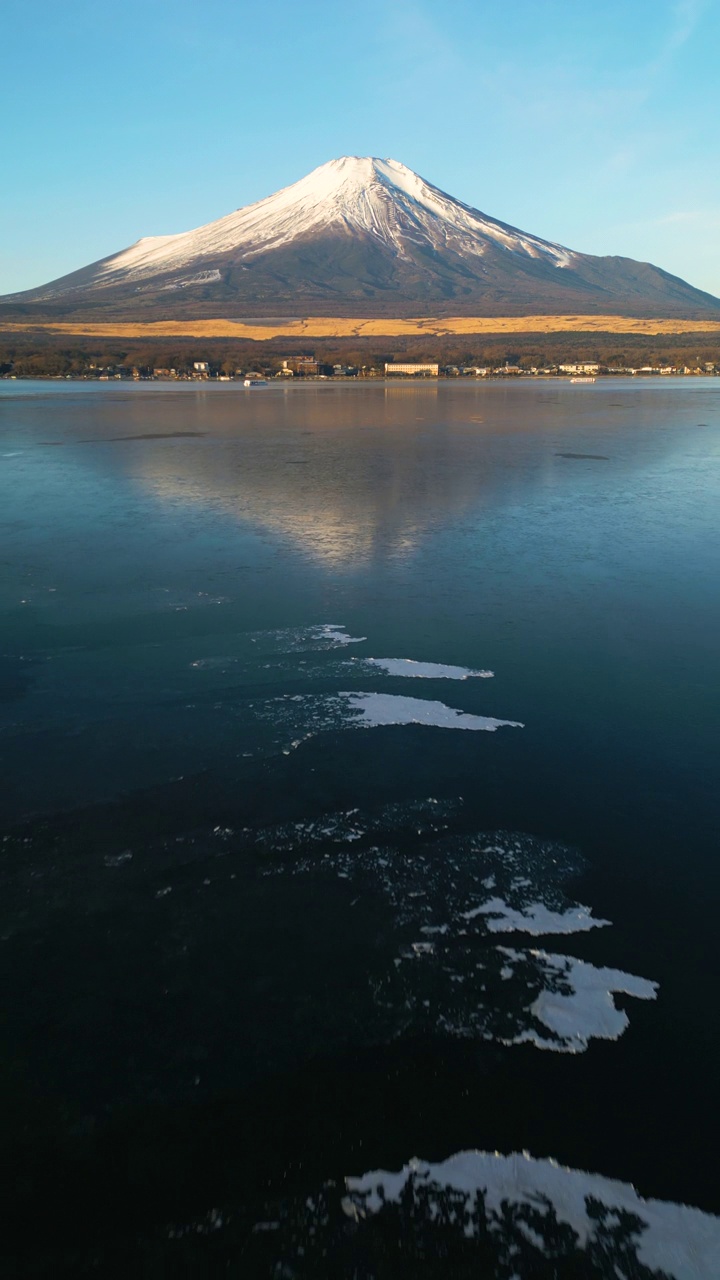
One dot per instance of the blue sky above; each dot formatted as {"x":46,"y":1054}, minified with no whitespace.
{"x":597,"y":125}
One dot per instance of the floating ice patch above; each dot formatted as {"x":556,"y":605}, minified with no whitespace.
{"x":448,"y":975}
{"x":325,"y":635}
{"x":386,"y":709}
{"x":577,"y":1003}
{"x":426,"y":670}
{"x":296,"y":717}
{"x":284,"y":644}
{"x":346,"y":827}
{"x":330,"y":635}
{"x":526,"y":1210}
{"x":281,"y":650}
{"x":535,"y":919}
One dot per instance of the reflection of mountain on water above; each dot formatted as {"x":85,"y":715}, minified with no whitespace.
{"x":347,"y":477}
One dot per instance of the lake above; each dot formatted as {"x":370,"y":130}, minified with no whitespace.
{"x":359,"y":748}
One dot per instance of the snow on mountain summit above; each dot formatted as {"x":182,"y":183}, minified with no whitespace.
{"x":359,"y":236}
{"x":382,"y":198}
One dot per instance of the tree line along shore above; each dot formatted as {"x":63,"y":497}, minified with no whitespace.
{"x":54,"y":356}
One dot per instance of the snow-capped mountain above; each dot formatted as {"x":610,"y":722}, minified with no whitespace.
{"x":359,"y":236}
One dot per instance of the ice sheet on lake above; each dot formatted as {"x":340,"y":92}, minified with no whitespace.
{"x":267,"y":657}
{"x":271,"y":655}
{"x":282,"y":643}
{"x":515,"y":997}
{"x":534,"y":919}
{"x":386,"y":708}
{"x":294,"y":718}
{"x":331,"y":635}
{"x":517,"y":1202}
{"x":446,"y":894}
{"x":281,"y":647}
{"x":324,"y":635}
{"x":425,"y":670}
{"x":576,"y":1004}
{"x":481,"y":1213}
{"x":348,"y":826}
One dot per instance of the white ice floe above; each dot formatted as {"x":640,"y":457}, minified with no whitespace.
{"x":576,"y":1004}
{"x":672,"y":1239}
{"x":535,"y":918}
{"x":427,"y":670}
{"x":287,"y":641}
{"x":385,"y":709}
{"x":332,"y":635}
{"x":441,"y":891}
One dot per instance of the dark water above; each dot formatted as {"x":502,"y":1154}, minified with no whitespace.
{"x":205,"y":1002}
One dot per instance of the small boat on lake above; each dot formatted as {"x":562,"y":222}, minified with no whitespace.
{"x":582,"y":379}
{"x":255,"y":384}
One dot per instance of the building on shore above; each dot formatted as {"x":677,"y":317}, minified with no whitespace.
{"x":300,"y":366}
{"x":412,"y":370}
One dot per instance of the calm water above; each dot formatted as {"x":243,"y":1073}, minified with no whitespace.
{"x":215,"y":867}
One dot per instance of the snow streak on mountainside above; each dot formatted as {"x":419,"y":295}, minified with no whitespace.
{"x":360,"y":236}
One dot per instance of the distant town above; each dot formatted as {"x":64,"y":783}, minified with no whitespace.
{"x":309,"y":366}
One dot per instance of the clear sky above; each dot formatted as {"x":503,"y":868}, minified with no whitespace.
{"x":597,"y":125}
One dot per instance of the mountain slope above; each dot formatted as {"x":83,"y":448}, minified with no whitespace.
{"x":364,"y":237}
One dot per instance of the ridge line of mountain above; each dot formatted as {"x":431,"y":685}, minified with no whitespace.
{"x":358,"y":234}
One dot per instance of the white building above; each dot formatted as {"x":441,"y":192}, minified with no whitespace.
{"x":425,"y":370}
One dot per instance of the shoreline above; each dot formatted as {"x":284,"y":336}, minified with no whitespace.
{"x":408,"y":379}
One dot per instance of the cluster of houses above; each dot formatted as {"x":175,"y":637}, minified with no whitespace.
{"x":306,"y":366}
{"x":582,"y":369}
{"x":291,"y":367}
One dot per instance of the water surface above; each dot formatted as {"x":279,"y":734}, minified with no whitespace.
{"x":246,"y":870}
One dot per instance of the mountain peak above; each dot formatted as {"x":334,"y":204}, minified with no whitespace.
{"x":360,"y":173}
{"x":361,"y":195}
{"x":360,"y":231}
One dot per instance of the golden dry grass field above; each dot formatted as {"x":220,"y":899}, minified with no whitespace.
{"x":331,"y":327}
